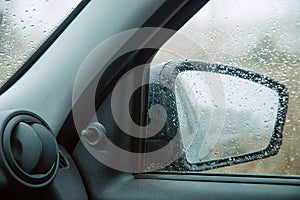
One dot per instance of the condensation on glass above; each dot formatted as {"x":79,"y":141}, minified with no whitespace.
{"x":24,"y":26}
{"x":262,"y":36}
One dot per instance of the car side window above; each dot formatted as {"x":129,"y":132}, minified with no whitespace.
{"x":259,"y":36}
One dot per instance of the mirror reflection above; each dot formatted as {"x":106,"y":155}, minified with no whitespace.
{"x":222,"y":116}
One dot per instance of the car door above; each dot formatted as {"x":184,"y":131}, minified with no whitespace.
{"x":85,"y":87}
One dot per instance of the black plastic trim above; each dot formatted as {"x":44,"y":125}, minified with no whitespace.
{"x":172,"y":15}
{"x":225,"y":178}
{"x":12,"y":169}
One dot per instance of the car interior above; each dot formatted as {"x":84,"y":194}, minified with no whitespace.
{"x":42,"y":155}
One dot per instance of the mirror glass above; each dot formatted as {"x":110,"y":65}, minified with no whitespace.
{"x":221,"y":116}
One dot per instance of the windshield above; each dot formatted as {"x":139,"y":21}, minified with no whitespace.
{"x":24,"y":27}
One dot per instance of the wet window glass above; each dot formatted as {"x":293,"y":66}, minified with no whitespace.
{"x":24,"y":26}
{"x":261,"y":36}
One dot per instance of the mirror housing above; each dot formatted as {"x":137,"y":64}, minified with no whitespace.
{"x":202,"y":146}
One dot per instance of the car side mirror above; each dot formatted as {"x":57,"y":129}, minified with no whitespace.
{"x":224,"y":115}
